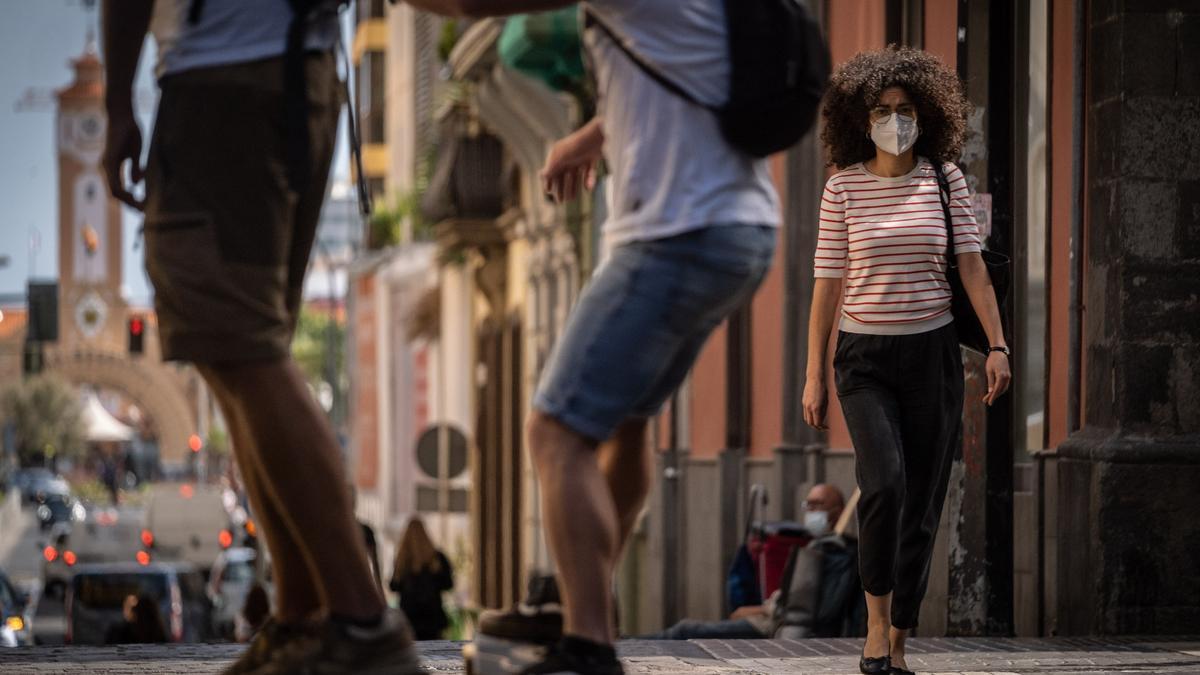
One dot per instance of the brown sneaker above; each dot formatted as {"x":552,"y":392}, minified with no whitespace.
{"x":270,"y":639}
{"x":387,"y":649}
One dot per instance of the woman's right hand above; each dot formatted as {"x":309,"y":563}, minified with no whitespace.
{"x":815,"y":403}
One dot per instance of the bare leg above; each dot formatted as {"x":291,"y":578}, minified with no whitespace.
{"x":879,"y":621}
{"x":298,"y":466}
{"x":298,"y":596}
{"x":627,"y":465}
{"x":582,"y":526}
{"x":898,"y":637}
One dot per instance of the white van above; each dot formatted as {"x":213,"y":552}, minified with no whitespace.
{"x":187,"y":522}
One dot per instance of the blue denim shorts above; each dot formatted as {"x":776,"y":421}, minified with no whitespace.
{"x":640,"y":323}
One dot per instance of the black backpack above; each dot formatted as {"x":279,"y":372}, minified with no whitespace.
{"x":778,"y":71}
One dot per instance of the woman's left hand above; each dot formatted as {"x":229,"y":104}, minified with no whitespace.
{"x":998,"y":376}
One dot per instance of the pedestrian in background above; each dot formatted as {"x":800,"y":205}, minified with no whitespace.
{"x":141,"y":623}
{"x":420,"y":574}
{"x":691,"y":231}
{"x":243,"y":140}
{"x":893,"y":119}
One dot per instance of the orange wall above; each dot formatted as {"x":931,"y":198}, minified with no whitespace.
{"x":855,"y":26}
{"x":1061,"y":123}
{"x":941,"y":30}
{"x":364,"y":423}
{"x":766,"y":345}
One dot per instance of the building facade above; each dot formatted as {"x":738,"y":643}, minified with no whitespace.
{"x":1068,"y":510}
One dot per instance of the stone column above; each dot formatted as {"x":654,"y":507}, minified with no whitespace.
{"x":1129,"y":516}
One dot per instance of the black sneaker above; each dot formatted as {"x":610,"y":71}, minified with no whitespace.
{"x":537,"y":618}
{"x":270,"y":639}
{"x":575,"y":656}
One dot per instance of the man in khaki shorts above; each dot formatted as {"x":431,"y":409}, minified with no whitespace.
{"x":235,"y":178}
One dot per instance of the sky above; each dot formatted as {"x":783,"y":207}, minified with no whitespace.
{"x":38,"y":39}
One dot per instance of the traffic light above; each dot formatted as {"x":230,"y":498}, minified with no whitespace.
{"x":43,"y":311}
{"x":137,"y":331}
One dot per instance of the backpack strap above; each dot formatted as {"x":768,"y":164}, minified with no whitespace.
{"x":590,"y":19}
{"x":295,"y":97}
{"x":944,"y":198}
{"x":195,"y":10}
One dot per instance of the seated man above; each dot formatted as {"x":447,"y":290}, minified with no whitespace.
{"x":834,"y":610}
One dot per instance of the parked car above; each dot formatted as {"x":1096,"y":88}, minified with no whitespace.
{"x":36,"y":482}
{"x":97,"y":593}
{"x":58,"y":508}
{"x":232,"y":575}
{"x":15,"y":614}
{"x":102,"y":537}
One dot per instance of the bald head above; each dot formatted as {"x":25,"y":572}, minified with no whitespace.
{"x":827,"y":498}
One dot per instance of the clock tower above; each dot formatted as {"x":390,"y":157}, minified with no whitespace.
{"x":91,"y":309}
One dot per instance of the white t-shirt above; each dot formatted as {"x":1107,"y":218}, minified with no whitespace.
{"x":231,"y":31}
{"x":672,"y":170}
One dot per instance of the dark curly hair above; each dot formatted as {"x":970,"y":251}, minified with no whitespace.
{"x":856,"y":86}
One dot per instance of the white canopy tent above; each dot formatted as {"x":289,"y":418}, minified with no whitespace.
{"x":101,"y":426}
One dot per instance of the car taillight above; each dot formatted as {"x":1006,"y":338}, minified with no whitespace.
{"x":69,"y":558}
{"x":50,"y":553}
{"x":225,"y":538}
{"x":147,"y":538}
{"x":143,"y":558}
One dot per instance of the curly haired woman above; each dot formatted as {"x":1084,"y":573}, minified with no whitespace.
{"x":892,"y":118}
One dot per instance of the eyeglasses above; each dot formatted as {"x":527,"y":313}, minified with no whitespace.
{"x":881,"y":113}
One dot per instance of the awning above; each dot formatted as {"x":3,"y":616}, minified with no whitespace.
{"x":546,"y":46}
{"x":99,"y":425}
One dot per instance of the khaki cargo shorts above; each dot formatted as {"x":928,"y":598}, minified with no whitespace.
{"x":227,"y":239}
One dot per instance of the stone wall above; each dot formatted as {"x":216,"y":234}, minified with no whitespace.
{"x":1129,"y":521}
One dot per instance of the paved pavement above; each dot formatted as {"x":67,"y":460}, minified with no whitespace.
{"x":963,"y":656}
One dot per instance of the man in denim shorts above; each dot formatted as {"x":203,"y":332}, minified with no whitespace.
{"x":231,"y":213}
{"x":691,"y":231}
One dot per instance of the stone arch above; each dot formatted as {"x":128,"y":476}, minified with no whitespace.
{"x":158,"y":391}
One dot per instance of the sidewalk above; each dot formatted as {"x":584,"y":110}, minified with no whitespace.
{"x":929,"y":656}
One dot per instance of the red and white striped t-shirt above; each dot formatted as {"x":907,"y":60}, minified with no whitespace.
{"x":887,"y":237}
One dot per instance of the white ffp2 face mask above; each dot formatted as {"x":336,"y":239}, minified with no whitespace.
{"x":895,"y":134}
{"x":816,"y":522}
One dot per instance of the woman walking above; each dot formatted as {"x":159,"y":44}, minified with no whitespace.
{"x":892,"y":117}
{"x":420,"y":575}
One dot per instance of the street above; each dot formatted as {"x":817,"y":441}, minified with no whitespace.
{"x":21,"y":558}
{"x":929,"y":656}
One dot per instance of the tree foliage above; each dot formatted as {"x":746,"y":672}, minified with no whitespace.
{"x":47,"y":419}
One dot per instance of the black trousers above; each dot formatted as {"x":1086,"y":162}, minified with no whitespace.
{"x":902,"y":396}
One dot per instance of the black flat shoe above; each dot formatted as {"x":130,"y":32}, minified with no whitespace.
{"x":897,"y":670}
{"x":879,"y":665}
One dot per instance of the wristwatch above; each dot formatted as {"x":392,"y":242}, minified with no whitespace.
{"x":1002,"y":350}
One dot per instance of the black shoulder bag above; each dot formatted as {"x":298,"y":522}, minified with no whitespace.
{"x":966,"y":322}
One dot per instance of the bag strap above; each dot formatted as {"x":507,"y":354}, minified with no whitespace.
{"x":944,"y":198}
{"x":591,"y":19}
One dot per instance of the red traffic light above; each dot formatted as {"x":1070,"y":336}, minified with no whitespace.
{"x":137,"y":332}
{"x":195,"y":443}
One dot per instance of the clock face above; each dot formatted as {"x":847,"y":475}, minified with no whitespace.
{"x":81,"y":134}
{"x":90,"y":313}
{"x":90,"y":126}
